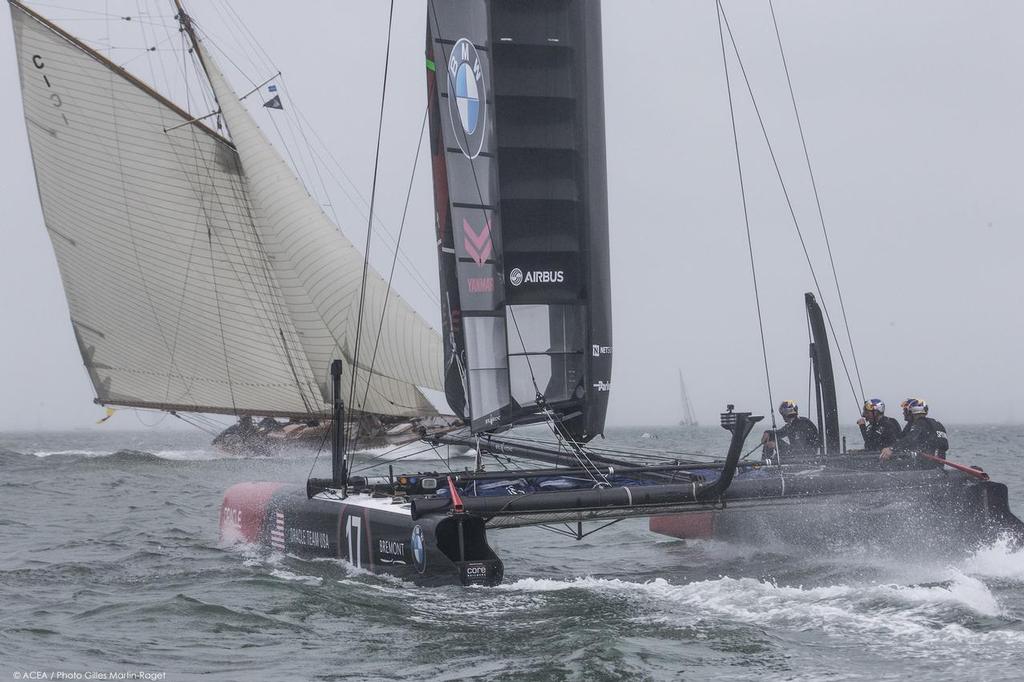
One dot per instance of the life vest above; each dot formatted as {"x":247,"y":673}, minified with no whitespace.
{"x":939,"y":440}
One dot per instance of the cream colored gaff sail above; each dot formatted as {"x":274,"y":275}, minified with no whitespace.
{"x":320,"y":274}
{"x":173,"y":298}
{"x":166,"y":281}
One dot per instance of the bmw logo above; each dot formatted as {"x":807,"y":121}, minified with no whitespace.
{"x":516,"y":277}
{"x":467,"y":97}
{"x":419,"y":550}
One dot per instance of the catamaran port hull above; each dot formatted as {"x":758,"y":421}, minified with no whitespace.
{"x":371,"y":533}
{"x":926,"y":512}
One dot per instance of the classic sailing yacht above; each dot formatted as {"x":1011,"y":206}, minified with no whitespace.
{"x":200,"y":275}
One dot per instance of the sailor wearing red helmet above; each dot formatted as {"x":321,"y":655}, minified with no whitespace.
{"x":924,"y":435}
{"x":878,"y":430}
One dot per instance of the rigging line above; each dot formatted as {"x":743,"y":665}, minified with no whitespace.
{"x":195,"y":424}
{"x":789,"y":202}
{"x":195,"y":235}
{"x":301,"y":119}
{"x":316,"y":458}
{"x":301,"y":171}
{"x":260,"y":263}
{"x":379,"y":459}
{"x":207,"y":38}
{"x":394,"y":261}
{"x":817,"y":200}
{"x":316,"y":166}
{"x":145,"y":41}
{"x":131,"y":228}
{"x":258,"y":48}
{"x":213,"y":266}
{"x":220,"y":320}
{"x":410,"y":266}
{"x":655,"y":454}
{"x":369,"y":222}
{"x":746,"y":214}
{"x":232,"y":40}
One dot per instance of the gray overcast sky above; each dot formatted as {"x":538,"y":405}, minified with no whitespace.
{"x":914,"y":116}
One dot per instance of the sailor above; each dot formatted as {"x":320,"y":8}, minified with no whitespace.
{"x":907,"y":417}
{"x":798,"y":437}
{"x":925,"y":435}
{"x":878,"y":430}
{"x":268,"y":424}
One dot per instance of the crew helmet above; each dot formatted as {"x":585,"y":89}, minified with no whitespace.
{"x":874,"y":405}
{"x":917,"y":406}
{"x":788,"y":408}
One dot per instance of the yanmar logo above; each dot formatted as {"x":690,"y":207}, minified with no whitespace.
{"x":480,"y":285}
{"x":518,"y":277}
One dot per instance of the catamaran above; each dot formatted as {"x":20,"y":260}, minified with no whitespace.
{"x":517,"y":138}
{"x":267,"y":318}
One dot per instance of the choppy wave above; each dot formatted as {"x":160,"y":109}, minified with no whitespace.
{"x":174,"y":455}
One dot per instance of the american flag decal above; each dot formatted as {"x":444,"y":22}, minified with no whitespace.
{"x":277,"y":532}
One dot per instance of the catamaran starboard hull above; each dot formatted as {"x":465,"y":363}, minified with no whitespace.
{"x":930,"y":511}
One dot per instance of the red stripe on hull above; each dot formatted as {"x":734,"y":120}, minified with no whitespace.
{"x":243,"y":511}
{"x":693,"y":525}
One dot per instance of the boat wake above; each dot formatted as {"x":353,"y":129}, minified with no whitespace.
{"x":961,"y":609}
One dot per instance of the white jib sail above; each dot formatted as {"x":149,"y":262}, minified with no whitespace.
{"x":320,"y":274}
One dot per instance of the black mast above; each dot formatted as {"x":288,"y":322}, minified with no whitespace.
{"x":824,"y":379}
{"x":338,"y":474}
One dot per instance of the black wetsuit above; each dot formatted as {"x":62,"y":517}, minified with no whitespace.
{"x":925,"y":435}
{"x":801,"y":437}
{"x":880,"y":434}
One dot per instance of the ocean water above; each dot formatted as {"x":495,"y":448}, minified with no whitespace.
{"x":111,"y":566}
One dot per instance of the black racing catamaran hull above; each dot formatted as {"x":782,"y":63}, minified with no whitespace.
{"x":926,"y":511}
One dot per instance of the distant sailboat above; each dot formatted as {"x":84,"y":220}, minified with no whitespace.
{"x":688,"y":419}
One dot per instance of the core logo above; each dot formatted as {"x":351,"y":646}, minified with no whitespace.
{"x":518,"y":277}
{"x":467,"y":97}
